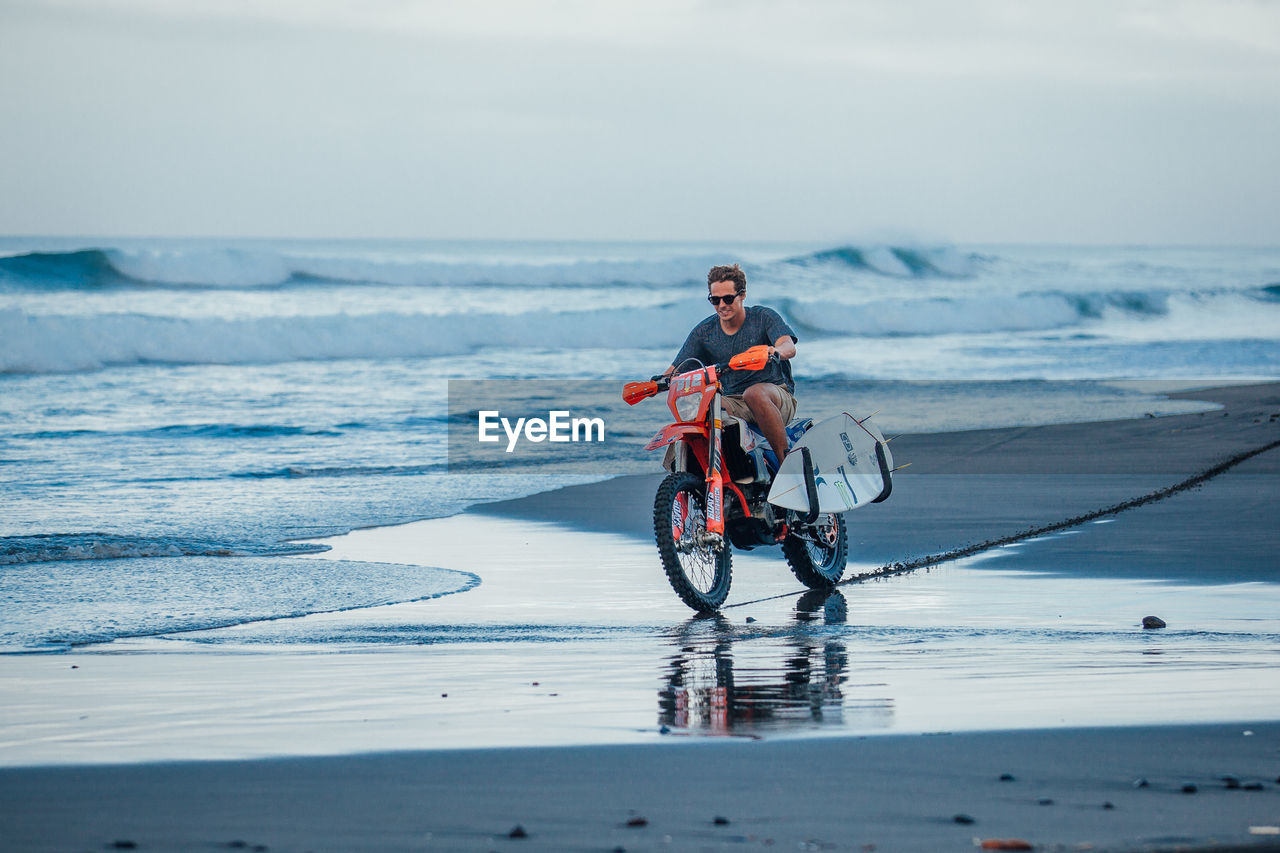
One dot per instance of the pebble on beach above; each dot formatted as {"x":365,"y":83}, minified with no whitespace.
{"x":1189,"y":788}
{"x":720,"y":820}
{"x":638,"y":821}
{"x":517,"y":831}
{"x":1151,"y":622}
{"x":963,"y":819}
{"x":1006,"y":777}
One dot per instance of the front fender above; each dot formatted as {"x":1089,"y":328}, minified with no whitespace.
{"x":672,"y":433}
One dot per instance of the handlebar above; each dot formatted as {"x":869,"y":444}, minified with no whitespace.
{"x":756,"y":358}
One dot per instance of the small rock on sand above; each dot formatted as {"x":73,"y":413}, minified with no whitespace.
{"x":1006,"y":777}
{"x":1151,"y":622}
{"x":517,"y":831}
{"x":963,"y":819}
{"x":720,"y":821}
{"x":638,"y":821}
{"x":1189,"y":788}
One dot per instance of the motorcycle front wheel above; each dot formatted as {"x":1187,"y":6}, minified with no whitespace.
{"x":699,"y":573}
{"x":818,"y":559}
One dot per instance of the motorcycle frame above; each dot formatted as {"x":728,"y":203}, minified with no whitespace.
{"x":707,"y":424}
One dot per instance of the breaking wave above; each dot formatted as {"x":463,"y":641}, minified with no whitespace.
{"x":246,"y":268}
{"x":59,"y":343}
{"x":1021,"y":313}
{"x":894,"y":261}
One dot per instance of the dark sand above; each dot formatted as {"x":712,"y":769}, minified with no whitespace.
{"x":893,"y":792}
{"x":966,"y":489}
{"x":896,"y":793}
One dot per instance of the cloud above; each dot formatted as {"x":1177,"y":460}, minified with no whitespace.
{"x":994,"y":118}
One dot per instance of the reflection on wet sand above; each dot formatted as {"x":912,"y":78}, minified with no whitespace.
{"x":724,"y":682}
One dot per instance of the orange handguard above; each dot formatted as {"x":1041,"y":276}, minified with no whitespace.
{"x":634,"y":392}
{"x":753,"y":359}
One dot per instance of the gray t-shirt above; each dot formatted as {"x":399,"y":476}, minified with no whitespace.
{"x":709,"y":344}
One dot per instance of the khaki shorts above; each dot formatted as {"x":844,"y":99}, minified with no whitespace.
{"x":781,"y":397}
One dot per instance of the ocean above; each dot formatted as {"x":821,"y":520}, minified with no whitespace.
{"x":175,"y":414}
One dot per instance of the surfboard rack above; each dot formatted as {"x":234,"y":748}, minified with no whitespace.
{"x":885,"y":474}
{"x":810,"y":486}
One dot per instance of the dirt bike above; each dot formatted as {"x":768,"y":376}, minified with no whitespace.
{"x":693,"y":522}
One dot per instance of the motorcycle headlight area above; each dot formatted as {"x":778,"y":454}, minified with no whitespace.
{"x":687,"y":406}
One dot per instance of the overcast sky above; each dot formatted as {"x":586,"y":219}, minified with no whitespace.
{"x":1102,"y":121}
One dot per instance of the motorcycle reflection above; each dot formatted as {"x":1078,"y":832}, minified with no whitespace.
{"x":722,"y":681}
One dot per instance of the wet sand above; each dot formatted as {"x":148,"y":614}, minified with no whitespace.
{"x":573,"y":638}
{"x":968,"y":488}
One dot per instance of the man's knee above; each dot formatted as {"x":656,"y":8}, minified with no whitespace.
{"x":759,"y":399}
{"x":777,"y":398}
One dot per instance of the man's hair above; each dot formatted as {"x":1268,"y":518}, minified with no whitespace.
{"x":733,"y":274}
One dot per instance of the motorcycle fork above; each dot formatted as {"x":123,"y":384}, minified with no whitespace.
{"x":715,"y":480}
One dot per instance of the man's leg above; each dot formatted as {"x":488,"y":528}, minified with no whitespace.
{"x":766,"y":402}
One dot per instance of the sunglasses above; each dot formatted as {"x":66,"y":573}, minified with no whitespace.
{"x":728,"y":300}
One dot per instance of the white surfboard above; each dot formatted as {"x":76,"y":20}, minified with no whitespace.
{"x":846,"y":468}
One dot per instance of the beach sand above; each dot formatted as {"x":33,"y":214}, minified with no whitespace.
{"x":871,"y":720}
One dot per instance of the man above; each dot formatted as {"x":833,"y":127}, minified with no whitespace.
{"x":764,"y":397}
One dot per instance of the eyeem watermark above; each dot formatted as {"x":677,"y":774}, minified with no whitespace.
{"x":559,"y":426}
{"x":515,"y":427}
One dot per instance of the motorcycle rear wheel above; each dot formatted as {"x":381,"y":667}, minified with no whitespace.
{"x":699,"y":573}
{"x":819,"y":564}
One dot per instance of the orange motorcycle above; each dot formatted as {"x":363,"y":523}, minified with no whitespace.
{"x":718,"y":491}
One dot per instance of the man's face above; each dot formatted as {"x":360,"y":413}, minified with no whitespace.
{"x":732,"y":309}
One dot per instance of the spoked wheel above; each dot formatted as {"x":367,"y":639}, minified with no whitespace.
{"x":699,"y":572}
{"x":817,"y":554}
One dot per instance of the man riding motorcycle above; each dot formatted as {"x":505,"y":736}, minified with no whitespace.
{"x":765,"y":397}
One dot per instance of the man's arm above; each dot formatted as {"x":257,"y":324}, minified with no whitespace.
{"x":785,"y":347}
